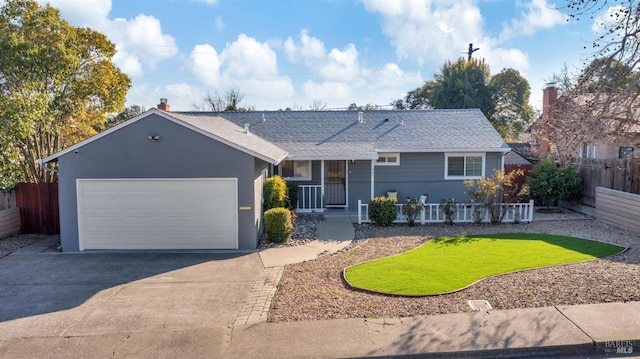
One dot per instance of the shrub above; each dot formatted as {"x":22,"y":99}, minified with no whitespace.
{"x":552,"y":183}
{"x":292,"y":195}
{"x":449,"y":208}
{"x":410,"y":209}
{"x":495,"y":194}
{"x":382,"y":210}
{"x":278,"y":225}
{"x":275,"y":193}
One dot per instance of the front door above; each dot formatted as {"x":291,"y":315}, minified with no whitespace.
{"x":335,"y":183}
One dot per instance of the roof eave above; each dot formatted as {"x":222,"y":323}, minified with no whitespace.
{"x":448,"y":150}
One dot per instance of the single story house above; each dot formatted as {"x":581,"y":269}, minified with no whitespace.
{"x":173,"y":180}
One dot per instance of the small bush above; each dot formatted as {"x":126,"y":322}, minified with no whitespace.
{"x":275,"y":193}
{"x":495,"y":194}
{"x":449,"y":208}
{"x":410,"y":210}
{"x":552,"y":183}
{"x":278,"y":225}
{"x":382,"y":210}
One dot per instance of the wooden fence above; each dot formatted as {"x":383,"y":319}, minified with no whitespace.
{"x":9,"y":222}
{"x":7,"y":200}
{"x":38,"y":203}
{"x":618,"y":208}
{"x":618,"y":174}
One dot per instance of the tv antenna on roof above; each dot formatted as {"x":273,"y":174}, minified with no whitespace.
{"x":471,"y":51}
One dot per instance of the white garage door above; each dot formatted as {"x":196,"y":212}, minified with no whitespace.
{"x":157,"y":213}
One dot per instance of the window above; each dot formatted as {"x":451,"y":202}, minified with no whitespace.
{"x":625,"y":152}
{"x":295,"y":170}
{"x":388,"y":159}
{"x":464,"y":166}
{"x":587,"y":150}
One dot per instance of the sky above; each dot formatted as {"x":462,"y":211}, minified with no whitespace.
{"x":290,"y":53}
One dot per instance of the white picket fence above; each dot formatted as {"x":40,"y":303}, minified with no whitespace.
{"x":432,"y":213}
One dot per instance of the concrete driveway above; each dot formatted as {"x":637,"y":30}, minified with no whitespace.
{"x":48,"y":298}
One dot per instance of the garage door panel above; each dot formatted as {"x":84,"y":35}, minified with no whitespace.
{"x":157,"y":213}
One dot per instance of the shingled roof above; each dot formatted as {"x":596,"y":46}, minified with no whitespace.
{"x":309,"y":135}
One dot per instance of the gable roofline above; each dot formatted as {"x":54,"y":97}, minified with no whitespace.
{"x":270,"y":159}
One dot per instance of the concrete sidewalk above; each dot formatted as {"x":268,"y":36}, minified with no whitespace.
{"x":334,"y":234}
{"x":612,"y":328}
{"x":596,"y":330}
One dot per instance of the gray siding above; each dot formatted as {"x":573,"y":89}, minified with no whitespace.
{"x":417,"y":173}
{"x":359,"y":182}
{"x":179,"y":153}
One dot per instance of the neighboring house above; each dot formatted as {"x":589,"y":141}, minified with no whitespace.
{"x":619,"y":147}
{"x":520,"y":155}
{"x":194,"y":179}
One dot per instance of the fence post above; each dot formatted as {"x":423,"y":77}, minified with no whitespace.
{"x":359,"y":211}
{"x":530,"y":210}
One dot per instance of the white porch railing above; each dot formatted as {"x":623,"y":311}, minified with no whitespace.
{"x":432,"y":213}
{"x":310,"y":198}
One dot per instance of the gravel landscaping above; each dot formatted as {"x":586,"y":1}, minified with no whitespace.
{"x":314,"y":290}
{"x":10,"y":244}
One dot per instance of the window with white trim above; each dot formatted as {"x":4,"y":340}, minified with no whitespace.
{"x":295,"y":170}
{"x":464,"y":165}
{"x":388,"y":159}
{"x":587,"y":150}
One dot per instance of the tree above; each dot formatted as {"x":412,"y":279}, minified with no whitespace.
{"x":126,"y":114}
{"x":57,"y":84}
{"x":612,"y":108}
{"x":502,"y":98}
{"x":463,"y":84}
{"x":367,"y":107}
{"x":415,"y":100}
{"x":512,"y":110}
{"x":229,"y":102}
{"x":317,"y":105}
{"x":606,"y":75}
{"x":596,"y":106}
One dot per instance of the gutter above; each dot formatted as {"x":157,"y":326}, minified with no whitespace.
{"x":44,"y":166}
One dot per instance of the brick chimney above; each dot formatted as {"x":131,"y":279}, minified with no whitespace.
{"x":549,"y":97}
{"x":163,"y":105}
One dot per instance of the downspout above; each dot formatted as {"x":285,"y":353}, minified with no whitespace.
{"x":372,"y":177}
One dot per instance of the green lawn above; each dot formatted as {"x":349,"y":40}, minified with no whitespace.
{"x":451,"y":263}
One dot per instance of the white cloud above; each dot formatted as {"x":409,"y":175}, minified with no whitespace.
{"x":248,"y":57}
{"x":603,"y":22}
{"x":429,"y":31}
{"x":205,"y":64}
{"x":140,"y":42}
{"x":82,"y":12}
{"x":311,"y":49}
{"x":245,"y":64}
{"x":210,"y":2}
{"x":501,"y":58}
{"x":537,"y":15}
{"x":141,"y":38}
{"x":328,"y":91}
{"x":343,"y":65}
